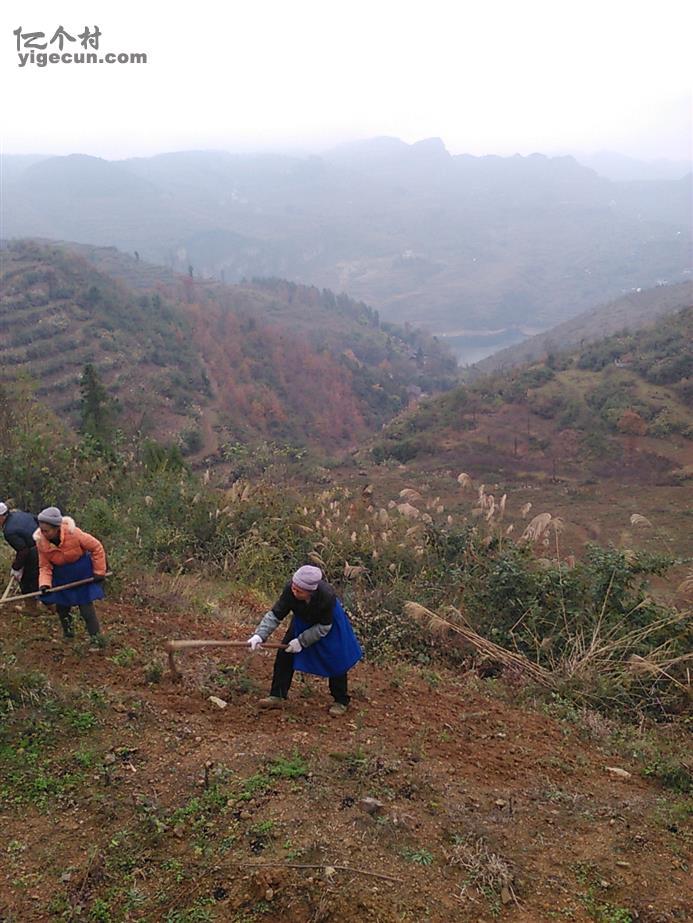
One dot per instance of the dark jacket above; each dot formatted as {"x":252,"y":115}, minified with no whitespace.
{"x":316,"y":613}
{"x":18,"y":529}
{"x":318,"y":609}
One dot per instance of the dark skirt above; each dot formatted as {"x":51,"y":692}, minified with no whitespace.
{"x":81,"y":569}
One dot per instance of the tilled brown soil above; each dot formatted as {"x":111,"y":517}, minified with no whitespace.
{"x":455,"y":762}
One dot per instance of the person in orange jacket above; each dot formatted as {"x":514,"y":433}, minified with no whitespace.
{"x":67,"y":554}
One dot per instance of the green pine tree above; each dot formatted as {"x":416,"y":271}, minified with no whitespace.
{"x":97,"y":410}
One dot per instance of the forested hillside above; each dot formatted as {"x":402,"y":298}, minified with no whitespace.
{"x":206,"y":364}
{"x":619,"y":407}
{"x":629,"y":313}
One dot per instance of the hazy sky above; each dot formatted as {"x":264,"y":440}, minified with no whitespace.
{"x":489,"y":76}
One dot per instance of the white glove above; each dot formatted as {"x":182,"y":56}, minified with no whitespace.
{"x":17,"y":574}
{"x":294,"y":647}
{"x":254,"y":642}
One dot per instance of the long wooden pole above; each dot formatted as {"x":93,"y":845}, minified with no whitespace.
{"x":55,"y":589}
{"x":182,"y":645}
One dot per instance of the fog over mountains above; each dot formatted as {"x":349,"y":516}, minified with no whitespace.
{"x":482,"y":249}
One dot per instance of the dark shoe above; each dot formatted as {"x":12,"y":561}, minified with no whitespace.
{"x":338,"y":709}
{"x":271,"y":701}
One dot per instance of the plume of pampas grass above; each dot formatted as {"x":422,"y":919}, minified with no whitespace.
{"x":464,"y":480}
{"x":536,"y":528}
{"x":637,"y":520}
{"x":525,"y":510}
{"x":315,"y":558}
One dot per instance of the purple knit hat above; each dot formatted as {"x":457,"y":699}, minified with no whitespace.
{"x":307,"y":578}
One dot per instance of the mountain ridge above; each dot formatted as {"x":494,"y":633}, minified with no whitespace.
{"x":437,"y":240}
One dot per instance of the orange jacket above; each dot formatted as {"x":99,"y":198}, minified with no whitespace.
{"x":73,"y":544}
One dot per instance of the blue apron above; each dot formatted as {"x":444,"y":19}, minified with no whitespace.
{"x":332,"y":655}
{"x":81,"y":569}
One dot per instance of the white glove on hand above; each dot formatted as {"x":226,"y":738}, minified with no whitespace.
{"x":17,"y":574}
{"x":294,"y":647}
{"x":254,"y":642}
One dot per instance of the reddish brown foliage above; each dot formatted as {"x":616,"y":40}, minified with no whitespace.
{"x":272,"y":381}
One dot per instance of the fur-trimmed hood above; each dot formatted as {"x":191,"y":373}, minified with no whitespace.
{"x":67,"y":526}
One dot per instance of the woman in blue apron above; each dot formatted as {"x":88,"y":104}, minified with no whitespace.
{"x":67,"y":554}
{"x":320,"y":639}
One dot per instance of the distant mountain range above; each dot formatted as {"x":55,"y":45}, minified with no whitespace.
{"x":458,"y":244}
{"x":621,"y":168}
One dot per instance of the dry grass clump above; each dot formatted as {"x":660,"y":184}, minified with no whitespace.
{"x":608,"y":654}
{"x":685,"y":589}
{"x":19,"y":688}
{"x":442,"y":627}
{"x":486,"y":871}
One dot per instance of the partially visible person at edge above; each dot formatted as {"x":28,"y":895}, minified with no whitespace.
{"x":320,"y":639}
{"x":18,"y":528}
{"x":67,"y":554}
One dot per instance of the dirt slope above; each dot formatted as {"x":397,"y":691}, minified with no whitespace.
{"x":110,"y":818}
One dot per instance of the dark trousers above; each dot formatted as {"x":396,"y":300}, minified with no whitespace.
{"x":87,"y":612}
{"x":284,"y":673}
{"x":30,"y":572}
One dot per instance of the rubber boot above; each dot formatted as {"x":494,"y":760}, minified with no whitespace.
{"x":31,"y":608}
{"x":88,"y":613}
{"x":65,"y":617}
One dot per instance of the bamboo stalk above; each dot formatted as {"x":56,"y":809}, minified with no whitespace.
{"x":7,"y":589}
{"x":55,"y":589}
